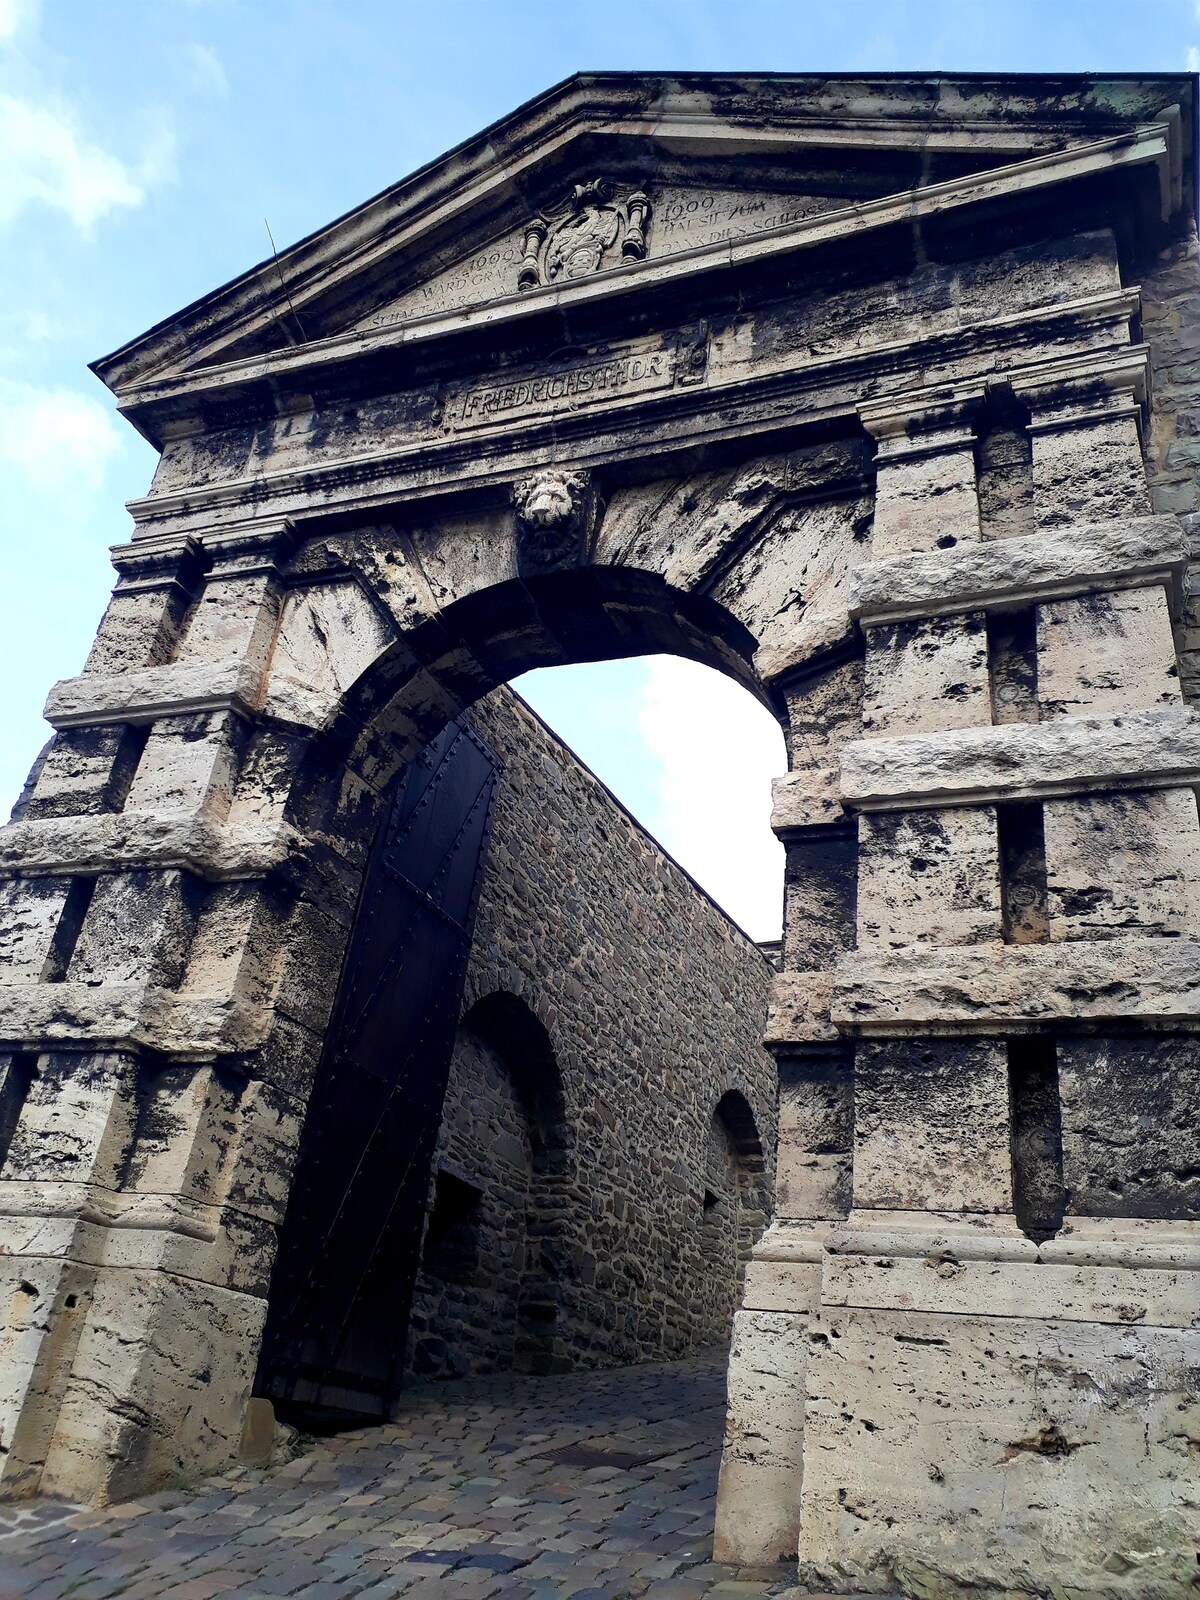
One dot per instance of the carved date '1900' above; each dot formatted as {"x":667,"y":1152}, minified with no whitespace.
{"x":564,"y":390}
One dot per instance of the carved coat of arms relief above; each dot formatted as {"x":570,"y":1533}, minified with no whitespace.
{"x":600,"y":228}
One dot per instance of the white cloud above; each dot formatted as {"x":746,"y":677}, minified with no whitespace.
{"x":15,"y":15}
{"x":718,"y":750}
{"x":44,"y":159}
{"x":205,"y":69}
{"x":57,"y":439}
{"x":1193,"y":55}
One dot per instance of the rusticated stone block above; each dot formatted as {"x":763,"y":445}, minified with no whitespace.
{"x":929,"y":877}
{"x":1141,"y":749}
{"x":1120,"y":864}
{"x":1106,"y":653}
{"x":927,"y":674}
{"x":910,"y":1470}
{"x":1126,"y":552}
{"x":931,"y":1126}
{"x":1131,"y":1137}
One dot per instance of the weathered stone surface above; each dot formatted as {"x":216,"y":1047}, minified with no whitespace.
{"x":1149,"y":981}
{"x":1133,"y":552}
{"x":925,"y":675}
{"x":1087,"y":463}
{"x":931,"y":1126}
{"x":141,"y":696}
{"x":814,"y":1170}
{"x":926,"y":496}
{"x":912,"y":1472}
{"x":1123,"y":864}
{"x":974,"y":765}
{"x":927,"y":351}
{"x":928,"y":877}
{"x":799,"y":1010}
{"x":209,"y":849}
{"x":758,"y":1505}
{"x":1105,"y":654}
{"x":819,"y":882}
{"x":806,"y":798}
{"x":1131,"y":1145}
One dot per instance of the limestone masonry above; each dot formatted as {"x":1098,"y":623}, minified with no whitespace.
{"x":878,"y":394}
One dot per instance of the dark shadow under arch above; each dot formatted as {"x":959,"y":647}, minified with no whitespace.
{"x":735,"y":1128}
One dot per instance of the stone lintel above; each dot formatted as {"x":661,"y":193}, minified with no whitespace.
{"x":1006,"y":573}
{"x":197,"y":843}
{"x":976,"y":766}
{"x":176,"y":689}
{"x":412,"y":468}
{"x":124,"y":1016}
{"x":994,"y":989}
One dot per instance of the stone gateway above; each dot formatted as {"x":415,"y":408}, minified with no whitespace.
{"x":878,"y":394}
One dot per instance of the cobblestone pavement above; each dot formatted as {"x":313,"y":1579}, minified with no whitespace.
{"x":595,"y":1485}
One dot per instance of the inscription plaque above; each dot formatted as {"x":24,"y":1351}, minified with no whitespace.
{"x":685,"y":219}
{"x":589,"y":381}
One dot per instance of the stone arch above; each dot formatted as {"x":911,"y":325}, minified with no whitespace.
{"x":333,"y":783}
{"x":736,"y":1201}
{"x":487,"y":1294}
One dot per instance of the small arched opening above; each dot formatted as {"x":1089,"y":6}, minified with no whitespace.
{"x":734,"y":1207}
{"x":487,"y":1291}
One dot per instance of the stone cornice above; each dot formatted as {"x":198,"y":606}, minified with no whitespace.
{"x":129,"y":1016}
{"x":315,"y":361}
{"x":494,"y":177}
{"x":178,"y":688}
{"x":1123,"y":554}
{"x":1022,"y":760}
{"x":817,"y":393}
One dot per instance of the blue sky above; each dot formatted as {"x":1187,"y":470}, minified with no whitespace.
{"x":144,"y":142}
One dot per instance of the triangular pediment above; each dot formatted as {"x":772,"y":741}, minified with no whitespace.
{"x":623,"y":179}
{"x":559,"y":244}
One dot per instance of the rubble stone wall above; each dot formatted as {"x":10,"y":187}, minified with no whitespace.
{"x":624,"y":1169}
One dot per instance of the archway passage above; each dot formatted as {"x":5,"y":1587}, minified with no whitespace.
{"x":525,"y":1190}
{"x":772,"y":444}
